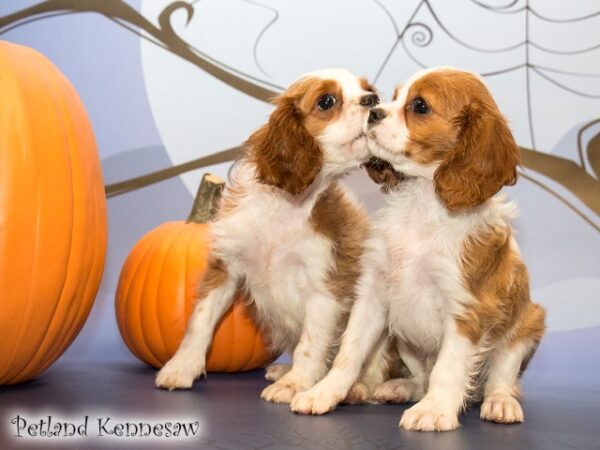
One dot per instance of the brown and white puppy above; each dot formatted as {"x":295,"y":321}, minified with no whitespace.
{"x":289,"y":234}
{"x":442,"y":269}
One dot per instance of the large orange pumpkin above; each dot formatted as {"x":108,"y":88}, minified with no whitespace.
{"x":158,"y":286}
{"x":52,"y":214}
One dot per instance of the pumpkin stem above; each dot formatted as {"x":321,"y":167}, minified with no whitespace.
{"x":206,"y":203}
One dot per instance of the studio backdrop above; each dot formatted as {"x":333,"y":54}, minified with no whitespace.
{"x":173,"y":88}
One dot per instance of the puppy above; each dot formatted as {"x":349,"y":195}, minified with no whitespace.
{"x":442,"y":269}
{"x":289,"y":234}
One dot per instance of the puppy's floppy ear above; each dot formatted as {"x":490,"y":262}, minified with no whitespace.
{"x":285,"y":154}
{"x":484,"y":159}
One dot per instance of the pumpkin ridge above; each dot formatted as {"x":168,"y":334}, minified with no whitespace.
{"x":26,"y":147}
{"x":53,"y":104}
{"x":250,"y":356}
{"x":134,"y":258}
{"x":98,"y":220}
{"x":187,"y":310}
{"x":56,"y":346}
{"x":86,"y":284}
{"x":94,"y":217}
{"x":164,"y":351}
{"x":53,"y":211}
{"x":141,"y":350}
{"x":168,"y":323}
{"x":251,"y":362}
{"x":157,"y":249}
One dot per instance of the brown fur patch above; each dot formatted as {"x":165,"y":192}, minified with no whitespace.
{"x":215,"y":276}
{"x":346,"y":225}
{"x":382,"y":172}
{"x":315,"y":120}
{"x":466,"y":132}
{"x":494,"y":273}
{"x":284,"y":150}
{"x":531,"y":325}
{"x":364,"y":83}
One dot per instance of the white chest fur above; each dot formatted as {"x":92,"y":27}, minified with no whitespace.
{"x":423,"y":241}
{"x":269,"y":243}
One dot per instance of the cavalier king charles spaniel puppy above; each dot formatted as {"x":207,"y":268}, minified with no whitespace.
{"x":442,"y":272}
{"x":289,"y":234}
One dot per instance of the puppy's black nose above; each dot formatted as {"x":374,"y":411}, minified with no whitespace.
{"x":376,"y":115}
{"x":369,"y":100}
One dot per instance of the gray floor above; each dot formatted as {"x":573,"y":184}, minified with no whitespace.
{"x":561,"y":412}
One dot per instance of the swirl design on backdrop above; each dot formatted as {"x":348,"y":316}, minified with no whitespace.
{"x":421,"y":36}
{"x":163,"y":36}
{"x":417,"y":33}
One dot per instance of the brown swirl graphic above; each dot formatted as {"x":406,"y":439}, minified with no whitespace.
{"x":132,"y":184}
{"x":163,"y":36}
{"x":569,"y":175}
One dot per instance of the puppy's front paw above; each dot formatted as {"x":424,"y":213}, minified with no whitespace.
{"x":316,"y":401}
{"x":359,"y":393}
{"x":501,"y":408}
{"x":280,"y":392}
{"x":178,"y":373}
{"x":275,"y":371}
{"x":398,"y":390}
{"x":428,"y":417}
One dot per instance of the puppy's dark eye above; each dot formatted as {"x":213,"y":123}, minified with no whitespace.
{"x":420,"y":106}
{"x":326,"y":102}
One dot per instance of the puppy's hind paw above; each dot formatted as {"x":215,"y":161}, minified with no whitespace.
{"x":359,"y":393}
{"x":275,"y":371}
{"x":397,"y":390}
{"x":280,"y":392}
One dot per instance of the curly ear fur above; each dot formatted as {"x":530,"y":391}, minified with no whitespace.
{"x":285,"y":154}
{"x":484,"y":159}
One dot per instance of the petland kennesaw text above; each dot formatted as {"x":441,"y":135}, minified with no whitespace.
{"x":103,"y":427}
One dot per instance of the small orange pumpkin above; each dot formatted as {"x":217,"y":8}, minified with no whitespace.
{"x":52,"y":214}
{"x":158,"y":286}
